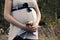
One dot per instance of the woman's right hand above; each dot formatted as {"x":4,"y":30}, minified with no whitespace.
{"x":30,"y":28}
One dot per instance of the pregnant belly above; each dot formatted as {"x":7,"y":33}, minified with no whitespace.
{"x":23,"y":16}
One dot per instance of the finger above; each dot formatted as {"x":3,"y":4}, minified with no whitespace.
{"x":33,"y":29}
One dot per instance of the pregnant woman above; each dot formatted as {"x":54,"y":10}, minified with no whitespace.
{"x":24,"y":17}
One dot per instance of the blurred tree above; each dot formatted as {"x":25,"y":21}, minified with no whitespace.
{"x":50,"y":10}
{"x":3,"y":23}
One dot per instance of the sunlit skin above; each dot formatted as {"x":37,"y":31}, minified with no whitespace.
{"x":10,"y":19}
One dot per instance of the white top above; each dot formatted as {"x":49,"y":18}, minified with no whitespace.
{"x":22,"y":16}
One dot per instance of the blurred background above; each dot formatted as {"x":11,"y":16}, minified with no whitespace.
{"x":49,"y":25}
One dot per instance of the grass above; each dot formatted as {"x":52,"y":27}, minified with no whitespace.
{"x":3,"y":37}
{"x":49,"y":33}
{"x":45,"y":33}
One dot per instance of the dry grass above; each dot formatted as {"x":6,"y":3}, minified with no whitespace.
{"x":3,"y":37}
{"x":45,"y":33}
{"x":49,"y":33}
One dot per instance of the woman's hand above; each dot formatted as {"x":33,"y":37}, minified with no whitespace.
{"x":32,"y":28}
{"x":35,"y":27}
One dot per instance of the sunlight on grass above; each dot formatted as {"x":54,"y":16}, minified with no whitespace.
{"x":48,"y":33}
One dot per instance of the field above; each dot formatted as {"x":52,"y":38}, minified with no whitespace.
{"x":48,"y":33}
{"x":3,"y":37}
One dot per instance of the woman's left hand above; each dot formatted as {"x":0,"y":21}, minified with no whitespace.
{"x":35,"y":27}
